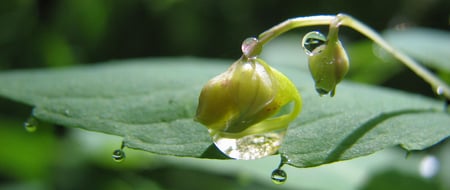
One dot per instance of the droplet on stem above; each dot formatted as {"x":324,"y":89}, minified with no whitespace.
{"x":31,"y":124}
{"x":440,"y":90}
{"x":311,"y":41}
{"x":279,"y":176}
{"x":251,"y":47}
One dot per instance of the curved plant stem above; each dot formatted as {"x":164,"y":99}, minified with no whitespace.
{"x":293,"y":23}
{"x":438,"y":86}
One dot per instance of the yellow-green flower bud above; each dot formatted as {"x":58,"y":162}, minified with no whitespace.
{"x":328,"y":61}
{"x":243,"y":100}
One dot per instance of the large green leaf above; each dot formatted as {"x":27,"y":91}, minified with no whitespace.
{"x":151,"y":104}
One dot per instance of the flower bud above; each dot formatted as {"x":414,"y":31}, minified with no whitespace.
{"x":328,"y":62}
{"x":238,"y":102}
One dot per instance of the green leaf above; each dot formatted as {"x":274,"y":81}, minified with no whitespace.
{"x":367,"y":67}
{"x":361,"y":120}
{"x":151,"y":103}
{"x":428,"y":45}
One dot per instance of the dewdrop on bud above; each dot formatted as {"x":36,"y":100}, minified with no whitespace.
{"x":327,"y":60}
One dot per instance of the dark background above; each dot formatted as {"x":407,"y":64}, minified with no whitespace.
{"x":49,"y":33}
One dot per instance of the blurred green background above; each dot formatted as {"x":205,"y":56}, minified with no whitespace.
{"x":51,"y":33}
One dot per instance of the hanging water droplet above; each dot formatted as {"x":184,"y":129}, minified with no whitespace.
{"x":278,"y":176}
{"x":322,"y":91}
{"x":250,"y":47}
{"x":31,"y":124}
{"x":118,"y":155}
{"x":312,"y":40}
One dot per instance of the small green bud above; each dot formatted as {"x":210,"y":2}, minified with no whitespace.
{"x":327,"y":60}
{"x":237,"y":102}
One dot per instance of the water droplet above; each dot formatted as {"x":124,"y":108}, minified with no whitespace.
{"x":31,"y":124}
{"x":440,"y":90}
{"x":118,"y":155}
{"x":250,"y":147}
{"x":313,"y":40}
{"x":250,"y":47}
{"x":322,"y":91}
{"x":278,"y":176}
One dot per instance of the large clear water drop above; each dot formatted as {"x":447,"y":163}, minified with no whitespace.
{"x":313,"y":40}
{"x":250,"y":147}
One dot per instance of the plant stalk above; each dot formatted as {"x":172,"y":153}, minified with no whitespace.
{"x":438,"y":86}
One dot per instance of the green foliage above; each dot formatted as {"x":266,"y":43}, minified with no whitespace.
{"x":368,"y":66}
{"x":39,"y":155}
{"x":428,"y":45}
{"x":151,"y":103}
{"x":62,"y":33}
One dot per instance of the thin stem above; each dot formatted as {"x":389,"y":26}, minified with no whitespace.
{"x":438,"y":86}
{"x":333,"y":37}
{"x":293,"y":23}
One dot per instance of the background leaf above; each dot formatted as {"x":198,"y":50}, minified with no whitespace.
{"x":371,"y":64}
{"x":151,"y":104}
{"x":430,"y":46}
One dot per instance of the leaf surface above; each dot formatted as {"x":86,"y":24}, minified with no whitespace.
{"x":151,"y":104}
